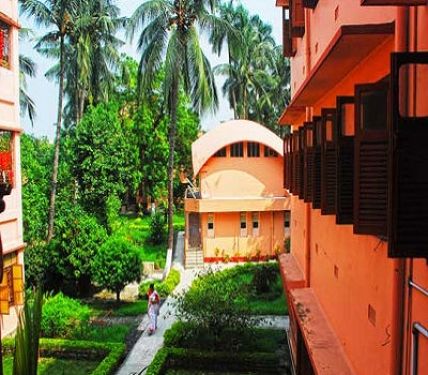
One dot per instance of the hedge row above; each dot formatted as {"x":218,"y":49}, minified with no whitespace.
{"x":110,"y":354}
{"x":164,"y":288}
{"x":265,"y":363}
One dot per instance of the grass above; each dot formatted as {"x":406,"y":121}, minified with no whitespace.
{"x":136,"y":230}
{"x":55,"y":366}
{"x":101,"y":307}
{"x":102,"y":333}
{"x":271,"y":302}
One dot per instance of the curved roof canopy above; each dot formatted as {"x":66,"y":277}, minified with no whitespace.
{"x":228,"y":133}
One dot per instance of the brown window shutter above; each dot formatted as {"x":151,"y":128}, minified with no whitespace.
{"x":287,"y":40}
{"x":345,"y":161}
{"x":328,"y":161}
{"x":310,"y":3}
{"x":301,"y":166}
{"x":288,"y":161}
{"x":294,"y":159}
{"x":308,"y":155}
{"x":297,"y":183}
{"x":297,"y":16}
{"x":408,"y":180}
{"x":18,"y":284}
{"x":370,"y":158}
{"x":316,"y":171}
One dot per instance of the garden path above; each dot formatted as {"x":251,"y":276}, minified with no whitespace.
{"x":147,"y":345}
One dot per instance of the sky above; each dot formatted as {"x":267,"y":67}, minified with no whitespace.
{"x":45,"y":93}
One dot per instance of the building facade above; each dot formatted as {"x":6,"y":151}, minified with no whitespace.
{"x":11,"y":236}
{"x":239,"y":211}
{"x":357,"y":275}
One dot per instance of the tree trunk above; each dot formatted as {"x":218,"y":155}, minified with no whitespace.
{"x":54,"y":181}
{"x":118,"y":296}
{"x":171,"y":140}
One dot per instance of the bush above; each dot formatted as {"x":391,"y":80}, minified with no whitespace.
{"x":215,"y":303}
{"x":62,"y":316}
{"x":164,"y":288}
{"x":110,"y":354}
{"x":264,"y":278}
{"x":116,"y":265}
{"x":157,"y":232}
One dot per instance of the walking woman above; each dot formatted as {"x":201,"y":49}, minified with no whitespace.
{"x":153,"y":308}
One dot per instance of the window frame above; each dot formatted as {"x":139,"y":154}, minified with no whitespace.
{"x":6,"y":63}
{"x":221,"y":153}
{"x":243,"y":225}
{"x":253,"y":149}
{"x":211,"y":222}
{"x":255,"y":219}
{"x":240,"y":146}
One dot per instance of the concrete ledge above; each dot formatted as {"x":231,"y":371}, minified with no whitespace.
{"x":291,"y":274}
{"x":325,"y":351}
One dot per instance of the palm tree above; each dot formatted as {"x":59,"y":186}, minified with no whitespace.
{"x":27,"y":68}
{"x":171,"y":37}
{"x":56,"y":14}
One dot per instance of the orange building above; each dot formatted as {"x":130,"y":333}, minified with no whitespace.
{"x":356,"y":168}
{"x":239,"y":210}
{"x":11,"y":237}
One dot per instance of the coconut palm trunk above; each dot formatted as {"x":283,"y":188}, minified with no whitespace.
{"x":54,"y":181}
{"x":171,"y":139}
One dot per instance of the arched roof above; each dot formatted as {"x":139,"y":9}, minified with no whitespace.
{"x":232,"y":132}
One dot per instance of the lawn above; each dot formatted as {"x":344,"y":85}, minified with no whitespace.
{"x":243,"y":278}
{"x":137,"y":229}
{"x":100,"y":307}
{"x":55,"y":366}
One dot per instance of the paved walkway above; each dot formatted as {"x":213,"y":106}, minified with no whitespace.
{"x":147,"y":346}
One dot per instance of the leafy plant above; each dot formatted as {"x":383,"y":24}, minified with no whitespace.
{"x":116,"y":264}
{"x":164,"y":288}
{"x":62,"y":316}
{"x":27,"y":335}
{"x":264,"y":277}
{"x":157,"y":228}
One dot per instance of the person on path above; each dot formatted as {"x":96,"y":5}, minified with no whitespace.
{"x":153,"y":308}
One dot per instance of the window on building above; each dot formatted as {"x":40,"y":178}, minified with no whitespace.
{"x":253,"y":149}
{"x":210,"y":225}
{"x":269,"y":153}
{"x":4,"y":45}
{"x":6,"y":161}
{"x":256,"y":223}
{"x":287,"y":219}
{"x":243,"y":224}
{"x":221,"y":153}
{"x":237,"y":150}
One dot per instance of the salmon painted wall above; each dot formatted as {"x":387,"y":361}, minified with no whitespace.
{"x":227,"y":239}
{"x":352,"y":274}
{"x":242,"y":177}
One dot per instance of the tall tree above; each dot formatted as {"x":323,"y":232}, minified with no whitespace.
{"x":58,"y":16}
{"x":171,"y":37}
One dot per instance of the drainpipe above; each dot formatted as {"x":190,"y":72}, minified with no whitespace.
{"x":399,"y":285}
{"x":417,"y":330}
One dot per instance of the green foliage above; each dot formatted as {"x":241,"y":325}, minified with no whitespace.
{"x":113,"y":205}
{"x":28,"y":335}
{"x":105,"y":157}
{"x":264,"y":278}
{"x":164,"y":288}
{"x":157,"y":228}
{"x":116,"y":264}
{"x":102,"y":333}
{"x":110,"y":354}
{"x":62,"y":316}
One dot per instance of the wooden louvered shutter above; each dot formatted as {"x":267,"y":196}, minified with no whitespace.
{"x":287,"y":40}
{"x":316,"y":171}
{"x":328,"y":161}
{"x":310,"y":3}
{"x":301,"y":166}
{"x":308,"y":154}
{"x":345,"y":160}
{"x":288,"y":161}
{"x":295,"y":172}
{"x":408,"y":177}
{"x":370,"y":159}
{"x":297,"y":16}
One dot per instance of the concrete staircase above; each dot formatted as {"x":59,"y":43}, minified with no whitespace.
{"x":194,"y":258}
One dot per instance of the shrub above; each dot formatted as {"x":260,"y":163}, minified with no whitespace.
{"x":110,"y":354}
{"x":157,"y":232}
{"x":265,"y":276}
{"x":62,"y":315}
{"x":116,"y":264}
{"x":164,"y":288}
{"x":215,"y":303}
